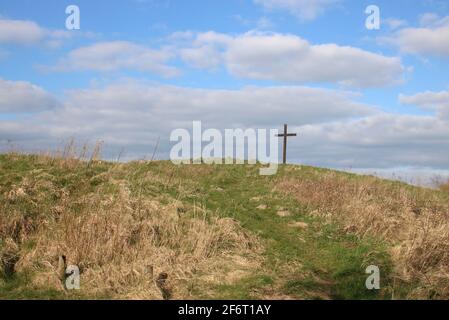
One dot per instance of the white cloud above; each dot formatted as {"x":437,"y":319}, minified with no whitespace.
{"x":20,"y":96}
{"x":334,"y":129}
{"x":289,"y":58}
{"x":428,"y":19}
{"x":202,"y":57}
{"x":303,"y":9}
{"x":383,"y":140}
{"x":379,"y":141}
{"x":255,"y":105}
{"x":134,"y":114}
{"x":433,"y":101}
{"x":394,"y":23}
{"x":254,"y":55}
{"x":115,"y":55}
{"x":24,"y":32}
{"x":429,"y":39}
{"x":201,"y":50}
{"x":20,"y":32}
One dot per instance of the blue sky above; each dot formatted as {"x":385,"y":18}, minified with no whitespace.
{"x":389,"y":84}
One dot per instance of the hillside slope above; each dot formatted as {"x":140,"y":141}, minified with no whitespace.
{"x":216,"y":232}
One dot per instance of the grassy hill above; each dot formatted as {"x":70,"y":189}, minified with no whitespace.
{"x":220,"y":232}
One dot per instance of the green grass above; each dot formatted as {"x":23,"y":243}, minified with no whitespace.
{"x":333,"y":263}
{"x":317,"y":262}
{"x":18,"y":288}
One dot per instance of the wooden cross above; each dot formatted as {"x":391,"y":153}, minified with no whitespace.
{"x":285,"y":135}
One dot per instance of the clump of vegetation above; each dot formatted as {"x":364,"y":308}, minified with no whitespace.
{"x":120,"y":230}
{"x":8,"y":259}
{"x":414,"y":221}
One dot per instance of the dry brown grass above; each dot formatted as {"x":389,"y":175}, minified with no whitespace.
{"x":444,"y":187}
{"x":414,"y":221}
{"x":120,"y":240}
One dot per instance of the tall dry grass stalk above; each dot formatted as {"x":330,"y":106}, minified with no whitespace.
{"x":414,"y":221}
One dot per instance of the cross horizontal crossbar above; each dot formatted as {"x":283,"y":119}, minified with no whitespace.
{"x":287,"y":135}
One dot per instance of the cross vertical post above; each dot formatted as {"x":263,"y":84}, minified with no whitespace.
{"x":285,"y":135}
{"x":284,"y":149}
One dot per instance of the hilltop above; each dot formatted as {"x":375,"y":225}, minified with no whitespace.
{"x":216,"y":232}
